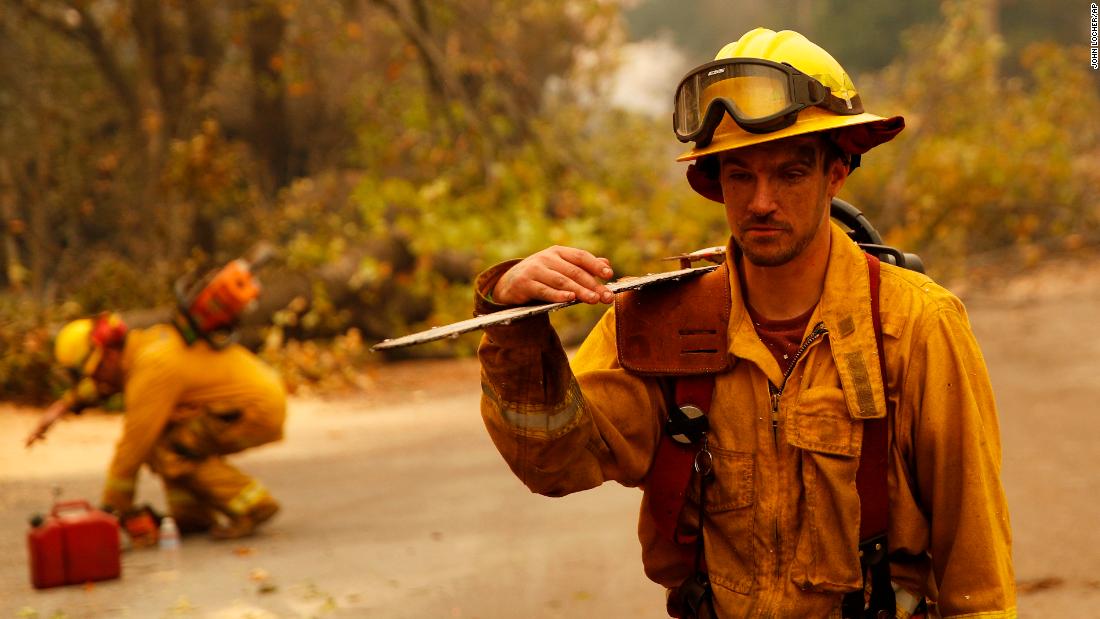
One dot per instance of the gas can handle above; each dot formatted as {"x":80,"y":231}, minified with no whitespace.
{"x":66,"y":505}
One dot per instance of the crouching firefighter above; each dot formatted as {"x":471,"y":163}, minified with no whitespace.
{"x":812,"y":426}
{"x":191,"y":397}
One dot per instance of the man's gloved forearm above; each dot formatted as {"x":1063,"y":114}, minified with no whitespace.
{"x":523,"y":362}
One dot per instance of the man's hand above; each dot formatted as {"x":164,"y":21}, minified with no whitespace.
{"x":56,"y":411}
{"x":556,"y":275}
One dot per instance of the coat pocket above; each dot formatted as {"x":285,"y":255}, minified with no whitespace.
{"x":829,"y":441}
{"x":732,"y":484}
{"x":821,"y":423}
{"x":728,"y":528}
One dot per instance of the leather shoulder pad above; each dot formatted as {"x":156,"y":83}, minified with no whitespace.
{"x":675,"y":328}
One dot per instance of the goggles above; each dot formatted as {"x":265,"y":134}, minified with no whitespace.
{"x":760,"y":95}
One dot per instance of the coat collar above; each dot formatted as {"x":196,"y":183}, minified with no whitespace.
{"x":844,"y":308}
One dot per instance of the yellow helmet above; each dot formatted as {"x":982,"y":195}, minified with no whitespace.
{"x":79,"y":344}
{"x":73,"y":344}
{"x":768,"y":86}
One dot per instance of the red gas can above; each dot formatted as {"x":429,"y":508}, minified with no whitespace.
{"x":75,"y":544}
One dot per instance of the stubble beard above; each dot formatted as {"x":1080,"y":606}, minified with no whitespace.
{"x":780,"y":253}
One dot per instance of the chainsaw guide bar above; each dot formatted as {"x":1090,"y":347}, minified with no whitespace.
{"x":504,"y":317}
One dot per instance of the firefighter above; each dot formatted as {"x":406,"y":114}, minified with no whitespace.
{"x":188,"y":403}
{"x":770,"y":525}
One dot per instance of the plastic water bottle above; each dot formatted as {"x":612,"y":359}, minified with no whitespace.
{"x":168,"y":539}
{"x":169,"y":536}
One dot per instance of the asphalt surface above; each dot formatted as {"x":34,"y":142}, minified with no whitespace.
{"x":403,"y":510}
{"x":396,"y":504}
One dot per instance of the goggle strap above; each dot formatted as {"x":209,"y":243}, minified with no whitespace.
{"x":812,"y":91}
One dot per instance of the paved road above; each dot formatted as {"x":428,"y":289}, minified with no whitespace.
{"x":1039,"y":339}
{"x":399,"y":507}
{"x":405,"y":511}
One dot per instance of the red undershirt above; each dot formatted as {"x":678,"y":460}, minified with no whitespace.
{"x":781,"y":337}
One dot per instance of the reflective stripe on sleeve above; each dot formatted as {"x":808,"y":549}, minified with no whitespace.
{"x":536,"y":418}
{"x":988,"y":614}
{"x":247,"y":498}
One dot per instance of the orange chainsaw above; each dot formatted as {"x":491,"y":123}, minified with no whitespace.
{"x":210,"y":308}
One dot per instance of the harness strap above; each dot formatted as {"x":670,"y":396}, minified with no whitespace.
{"x":674,"y":462}
{"x":873,"y":489}
{"x":874,"y":457}
{"x":669,"y":331}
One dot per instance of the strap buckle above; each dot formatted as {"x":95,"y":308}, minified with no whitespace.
{"x":873,"y":550}
{"x":875,"y":565}
{"x":687,"y":424}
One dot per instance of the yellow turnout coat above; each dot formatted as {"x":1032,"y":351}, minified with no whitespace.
{"x":782,"y":514}
{"x":187,"y":405}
